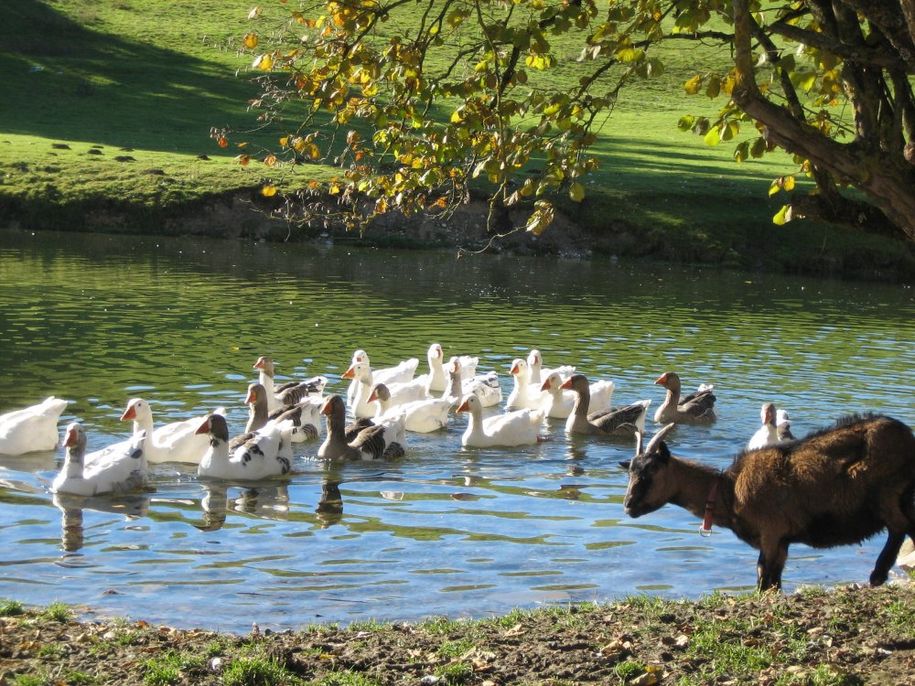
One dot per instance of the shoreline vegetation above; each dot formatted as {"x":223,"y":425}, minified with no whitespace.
{"x":839,"y":637}
{"x":243,"y":214}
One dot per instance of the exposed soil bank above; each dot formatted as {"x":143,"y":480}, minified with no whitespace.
{"x":246,"y":214}
{"x":842,"y":637}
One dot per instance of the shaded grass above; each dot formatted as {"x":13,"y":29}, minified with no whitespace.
{"x":132,"y":89}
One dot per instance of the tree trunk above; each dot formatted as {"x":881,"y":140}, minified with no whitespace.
{"x":884,"y":176}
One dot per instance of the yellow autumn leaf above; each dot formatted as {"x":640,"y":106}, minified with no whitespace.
{"x":693,"y":85}
{"x":577,"y":192}
{"x":243,"y":160}
{"x":263,"y":62}
{"x":268,"y":190}
{"x":284,"y":141}
{"x":783,"y":216}
{"x":788,"y":183}
{"x":250,"y":41}
{"x":254,"y":13}
{"x":270,"y":160}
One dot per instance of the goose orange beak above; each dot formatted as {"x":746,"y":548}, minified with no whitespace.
{"x":515,"y":369}
{"x":545,"y":386}
{"x":259,"y":364}
{"x":325,"y":408}
{"x":70,"y":439}
{"x":566,"y":384}
{"x":373,"y":397}
{"x":129,"y":413}
{"x":251,"y":398}
{"x":349,"y":373}
{"x":661,"y":380}
{"x":463,"y":408}
{"x":204,"y":428}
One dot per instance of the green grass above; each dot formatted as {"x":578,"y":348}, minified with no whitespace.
{"x":257,"y":671}
{"x":10,"y":608}
{"x":658,"y":191}
{"x":58,"y":612}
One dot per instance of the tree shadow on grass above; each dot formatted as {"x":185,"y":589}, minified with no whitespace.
{"x":67,"y":81}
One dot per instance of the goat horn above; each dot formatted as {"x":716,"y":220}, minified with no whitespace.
{"x":658,"y":437}
{"x":638,"y":443}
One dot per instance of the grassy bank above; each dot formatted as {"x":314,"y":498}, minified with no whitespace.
{"x":107,"y":129}
{"x":838,"y":638}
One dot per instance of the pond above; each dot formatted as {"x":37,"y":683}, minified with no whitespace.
{"x":444,"y":531}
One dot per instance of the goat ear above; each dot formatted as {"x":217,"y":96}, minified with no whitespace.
{"x":625,"y":464}
{"x":662,"y":453}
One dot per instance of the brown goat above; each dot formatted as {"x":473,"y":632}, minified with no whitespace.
{"x":835,"y":487}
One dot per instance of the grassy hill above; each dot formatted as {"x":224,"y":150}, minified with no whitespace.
{"x":109,"y":104}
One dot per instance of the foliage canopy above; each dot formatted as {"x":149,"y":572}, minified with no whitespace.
{"x":419,"y":101}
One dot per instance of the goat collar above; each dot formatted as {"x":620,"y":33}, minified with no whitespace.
{"x":706,"y":528}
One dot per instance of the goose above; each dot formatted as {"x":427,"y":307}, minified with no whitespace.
{"x":174,"y":442}
{"x":559,"y":403}
{"x":421,"y":416}
{"x":251,"y":456}
{"x":289,"y":393}
{"x":372,"y":442}
{"x":783,"y":426}
{"x":297,"y":423}
{"x":116,"y":469}
{"x":767,"y":434}
{"x":524,"y":395}
{"x":32,"y":428}
{"x":437,"y":379}
{"x":401,"y":373}
{"x":399,"y":392}
{"x":521,"y":427}
{"x":696,"y":408}
{"x":535,"y":362}
{"x":622,"y":421}
{"x":485,"y":386}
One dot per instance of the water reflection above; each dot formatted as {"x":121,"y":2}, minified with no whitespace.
{"x":71,"y":507}
{"x":270,"y":501}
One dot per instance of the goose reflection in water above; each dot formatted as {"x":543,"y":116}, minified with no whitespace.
{"x":267,"y":501}
{"x":71,"y":509}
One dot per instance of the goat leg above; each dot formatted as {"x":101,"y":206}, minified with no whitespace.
{"x":770,"y":564}
{"x":886,"y":558}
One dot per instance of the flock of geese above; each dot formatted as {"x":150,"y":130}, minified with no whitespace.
{"x":370,"y":422}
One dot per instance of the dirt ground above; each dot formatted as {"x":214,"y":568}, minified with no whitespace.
{"x":846,"y":636}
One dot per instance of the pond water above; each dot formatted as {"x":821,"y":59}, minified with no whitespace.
{"x":449,"y":531}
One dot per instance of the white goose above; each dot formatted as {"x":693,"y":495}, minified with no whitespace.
{"x":521,"y":427}
{"x":31,"y":428}
{"x":767,"y":434}
{"x":400,"y":392}
{"x":252,"y":456}
{"x":421,"y":416}
{"x":559,"y":402}
{"x":524,"y":394}
{"x":401,"y":373}
{"x":174,"y":442}
{"x":485,"y":386}
{"x":115,"y":469}
{"x":538,"y":373}
{"x":437,"y":378}
{"x":289,"y":393}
